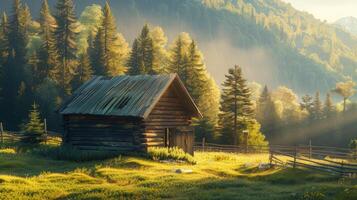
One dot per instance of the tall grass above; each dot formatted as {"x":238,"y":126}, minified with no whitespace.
{"x":174,"y":153}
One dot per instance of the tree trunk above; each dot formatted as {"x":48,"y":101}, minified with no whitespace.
{"x":235,"y":137}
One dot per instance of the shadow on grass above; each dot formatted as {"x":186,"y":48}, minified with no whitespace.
{"x":251,"y":188}
{"x":249,"y":184}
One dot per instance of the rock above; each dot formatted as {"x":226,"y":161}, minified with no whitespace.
{"x":247,"y":165}
{"x":263,"y":166}
{"x":183,"y":171}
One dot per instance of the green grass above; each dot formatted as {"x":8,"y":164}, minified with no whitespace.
{"x":214,"y":176}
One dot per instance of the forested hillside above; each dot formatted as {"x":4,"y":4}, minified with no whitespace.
{"x":274,"y":43}
{"x":348,"y":23}
{"x":46,"y":53}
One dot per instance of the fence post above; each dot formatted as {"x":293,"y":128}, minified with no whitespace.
{"x":203,"y":143}
{"x":271,"y":158}
{"x":245,"y":132}
{"x":295,"y":154}
{"x":45,"y":123}
{"x":342,"y":169}
{"x":2,"y":133}
{"x":310,"y":150}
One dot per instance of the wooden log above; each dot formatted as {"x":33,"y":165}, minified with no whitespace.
{"x":163,"y":119}
{"x":99,"y":148}
{"x":103,"y":144}
{"x":160,"y":116}
{"x":148,"y":134}
{"x":165,"y":112}
{"x":101,"y":139}
{"x":158,"y":140}
{"x":175,"y":124}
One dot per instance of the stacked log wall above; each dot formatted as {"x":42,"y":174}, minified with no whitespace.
{"x":104,"y":133}
{"x":169,"y":112}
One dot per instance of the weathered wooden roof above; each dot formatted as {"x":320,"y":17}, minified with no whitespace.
{"x":133,"y":96}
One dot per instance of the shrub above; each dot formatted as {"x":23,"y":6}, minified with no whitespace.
{"x":312,"y":196}
{"x":223,"y":157}
{"x":174,"y":153}
{"x":72,"y":154}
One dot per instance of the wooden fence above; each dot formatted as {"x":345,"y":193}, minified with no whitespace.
{"x":336,"y":160}
{"x":8,"y":137}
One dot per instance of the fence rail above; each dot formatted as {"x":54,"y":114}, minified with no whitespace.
{"x":13,"y":136}
{"x":336,"y":160}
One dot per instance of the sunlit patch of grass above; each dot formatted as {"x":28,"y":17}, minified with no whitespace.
{"x":8,"y":151}
{"x":214,"y":176}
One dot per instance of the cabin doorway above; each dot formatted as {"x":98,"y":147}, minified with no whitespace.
{"x":181,"y":137}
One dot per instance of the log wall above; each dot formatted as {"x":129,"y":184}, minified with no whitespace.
{"x":169,"y":112}
{"x":104,"y":133}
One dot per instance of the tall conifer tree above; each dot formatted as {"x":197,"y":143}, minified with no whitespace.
{"x":14,"y":86}
{"x":4,"y":49}
{"x":134,"y":63}
{"x":65,"y":33}
{"x":160,"y":54}
{"x":329,"y":109}
{"x":266,"y":113}
{"x":34,"y":65}
{"x":48,"y":52}
{"x":195,"y":71}
{"x":318,"y":107}
{"x":176,"y":58}
{"x":236,"y":106}
{"x":84,"y":71}
{"x":110,"y":48}
{"x":141,"y":60}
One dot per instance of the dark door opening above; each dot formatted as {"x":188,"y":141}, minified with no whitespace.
{"x":179,"y":137}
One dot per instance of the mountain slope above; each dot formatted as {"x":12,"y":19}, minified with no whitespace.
{"x":348,"y":23}
{"x":274,"y":43}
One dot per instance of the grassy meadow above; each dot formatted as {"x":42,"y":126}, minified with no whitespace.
{"x":214,"y":176}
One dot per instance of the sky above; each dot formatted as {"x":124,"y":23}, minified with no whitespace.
{"x":330,"y":10}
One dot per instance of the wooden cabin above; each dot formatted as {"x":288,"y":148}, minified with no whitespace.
{"x":130,"y":113}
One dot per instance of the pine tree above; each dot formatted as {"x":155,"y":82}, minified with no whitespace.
{"x":329,"y":109}
{"x":134,"y":63}
{"x":176,"y":58}
{"x":110,"y":47}
{"x":195,"y":72}
{"x":4,"y":42}
{"x":48,"y":52}
{"x":84,"y":71}
{"x":34,"y":128}
{"x":308,"y":105}
{"x":160,"y":60}
{"x":4,"y":48}
{"x":317,"y":107}
{"x":146,"y":47}
{"x":34,"y":65}
{"x":65,"y":33}
{"x":141,"y":60}
{"x":266,"y":113}
{"x":14,"y":66}
{"x":236,"y":105}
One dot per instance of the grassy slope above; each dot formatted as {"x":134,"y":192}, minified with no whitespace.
{"x":215,"y":176}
